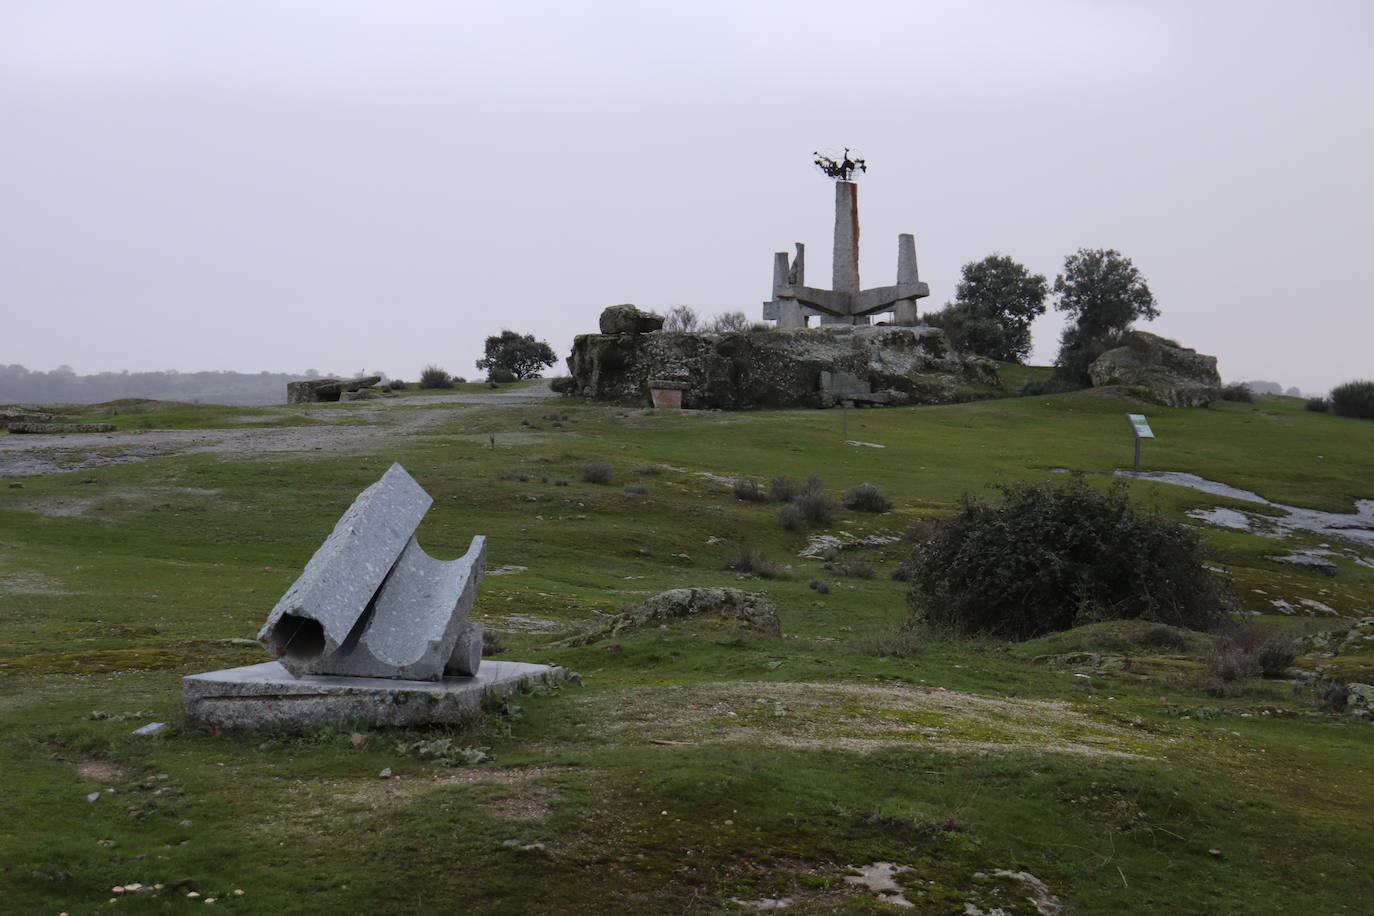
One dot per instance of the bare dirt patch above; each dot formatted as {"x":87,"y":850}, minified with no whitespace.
{"x":857,"y":717}
{"x":99,"y":770}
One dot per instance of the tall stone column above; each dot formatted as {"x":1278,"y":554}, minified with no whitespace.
{"x":904,"y":310}
{"x":844,"y":271}
{"x":790,"y":315}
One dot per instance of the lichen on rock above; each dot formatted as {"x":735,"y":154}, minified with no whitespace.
{"x":1169,"y":373}
{"x":768,"y":368}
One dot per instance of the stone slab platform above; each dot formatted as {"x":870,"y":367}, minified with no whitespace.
{"x":267,"y":695}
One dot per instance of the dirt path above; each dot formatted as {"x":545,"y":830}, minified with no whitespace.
{"x":26,"y":455}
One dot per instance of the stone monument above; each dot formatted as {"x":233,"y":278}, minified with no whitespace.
{"x":374,"y":630}
{"x":845,"y":303}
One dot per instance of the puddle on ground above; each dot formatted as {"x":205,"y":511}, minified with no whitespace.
{"x":1356,"y":526}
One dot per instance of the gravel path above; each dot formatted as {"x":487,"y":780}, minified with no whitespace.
{"x":26,"y":455}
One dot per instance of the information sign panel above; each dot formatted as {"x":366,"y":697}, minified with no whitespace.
{"x":1140,"y":426}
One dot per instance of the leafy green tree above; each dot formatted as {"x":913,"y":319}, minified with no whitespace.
{"x":995,"y":303}
{"x":1002,"y":298}
{"x":519,"y":354}
{"x":1103,"y":292}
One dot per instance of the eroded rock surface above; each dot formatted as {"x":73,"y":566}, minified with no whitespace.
{"x":748,"y":610}
{"x":818,"y":367}
{"x":1173,"y":375}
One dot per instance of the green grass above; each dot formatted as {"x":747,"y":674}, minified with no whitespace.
{"x":648,"y":794}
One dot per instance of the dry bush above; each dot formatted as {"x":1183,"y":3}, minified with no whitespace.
{"x":752,"y":562}
{"x":748,"y":490}
{"x":597,"y":472}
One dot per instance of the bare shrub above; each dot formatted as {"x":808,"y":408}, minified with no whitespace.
{"x":597,"y":472}
{"x":905,"y":640}
{"x":493,"y":643}
{"x":855,"y":569}
{"x":748,"y":490}
{"x":812,"y":502}
{"x":790,"y":517}
{"x":637,"y":489}
{"x":866,"y":498}
{"x":752,"y":562}
{"x":433,"y":377}
{"x":681,"y":318}
{"x":783,"y":489}
{"x":1247,"y":650}
{"x":396,"y":385}
{"x":730,"y":323}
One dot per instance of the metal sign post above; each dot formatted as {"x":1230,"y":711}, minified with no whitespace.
{"x":1140,"y":427}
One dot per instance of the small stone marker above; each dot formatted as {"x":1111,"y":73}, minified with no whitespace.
{"x":374,"y":630}
{"x":667,"y":393}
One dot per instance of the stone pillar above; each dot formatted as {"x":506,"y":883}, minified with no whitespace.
{"x":844,"y":271}
{"x":789,"y":310}
{"x":904,"y":310}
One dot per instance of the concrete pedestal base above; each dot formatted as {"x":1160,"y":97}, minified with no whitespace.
{"x":267,"y":695}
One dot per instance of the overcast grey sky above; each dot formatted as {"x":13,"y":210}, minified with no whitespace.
{"x":283,"y":184}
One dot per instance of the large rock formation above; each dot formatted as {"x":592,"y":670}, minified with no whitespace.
{"x":818,"y":367}
{"x":1171,"y":374}
{"x":626,"y":319}
{"x":318,"y":390}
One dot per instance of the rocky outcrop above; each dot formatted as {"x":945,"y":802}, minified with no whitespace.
{"x":16,"y":414}
{"x":817,"y":367}
{"x":745,"y":610}
{"x":626,"y":319}
{"x":1170,"y":374}
{"x":314,"y":391}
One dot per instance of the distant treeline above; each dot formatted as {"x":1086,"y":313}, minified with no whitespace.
{"x":63,"y":386}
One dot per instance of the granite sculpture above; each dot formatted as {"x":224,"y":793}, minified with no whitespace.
{"x":374,"y":631}
{"x":845,"y":302}
{"x":372,"y":603}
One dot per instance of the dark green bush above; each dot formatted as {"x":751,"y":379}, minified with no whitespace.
{"x":1318,"y":405}
{"x":1354,"y":399}
{"x":1051,"y":385}
{"x":501,"y":375}
{"x":637,"y":489}
{"x":820,"y":586}
{"x":1054,"y":557}
{"x":397,"y":385}
{"x":433,"y":377}
{"x":1238,"y":391}
{"x":866,"y":498}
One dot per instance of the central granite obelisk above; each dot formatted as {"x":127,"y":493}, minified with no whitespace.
{"x":844,"y":270}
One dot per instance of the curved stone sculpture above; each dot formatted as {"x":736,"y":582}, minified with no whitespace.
{"x":372,"y":603}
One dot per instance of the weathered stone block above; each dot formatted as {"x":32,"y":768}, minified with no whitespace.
{"x":626,"y":319}
{"x":267,"y":695}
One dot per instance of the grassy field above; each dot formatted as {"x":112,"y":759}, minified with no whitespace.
{"x":696,"y":768}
